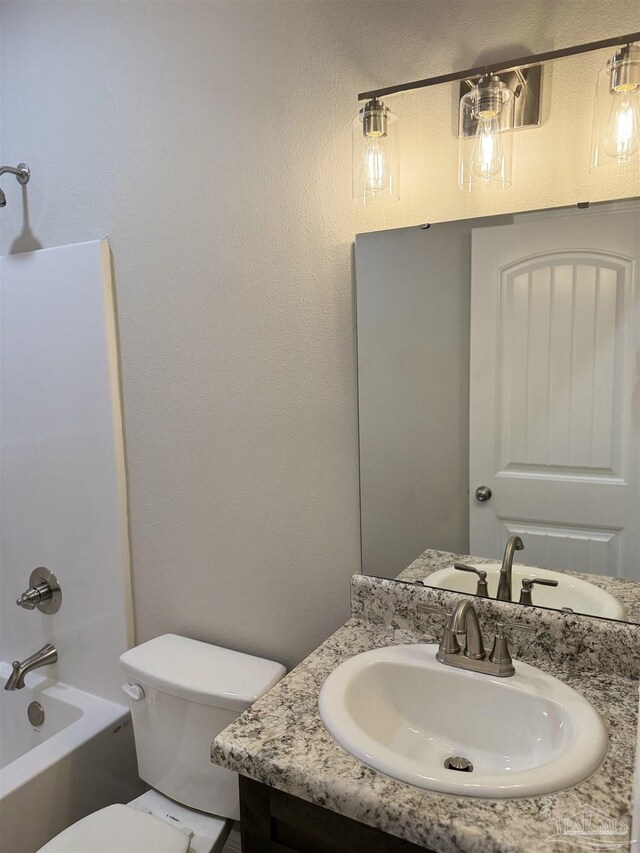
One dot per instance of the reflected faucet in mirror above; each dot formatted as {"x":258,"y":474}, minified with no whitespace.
{"x":504,"y":585}
{"x":527,"y":586}
{"x":514,"y":543}
{"x":482,"y":589}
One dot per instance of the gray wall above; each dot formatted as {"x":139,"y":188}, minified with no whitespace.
{"x":210,"y":143}
{"x":413,"y":303}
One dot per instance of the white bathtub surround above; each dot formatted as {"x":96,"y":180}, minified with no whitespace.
{"x":63,"y":491}
{"x":81,"y":758}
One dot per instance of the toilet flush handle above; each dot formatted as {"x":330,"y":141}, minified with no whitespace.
{"x":134,"y":691}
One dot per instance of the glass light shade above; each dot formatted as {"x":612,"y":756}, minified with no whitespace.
{"x":376,"y":172}
{"x":485,"y":145}
{"x":615,"y":137}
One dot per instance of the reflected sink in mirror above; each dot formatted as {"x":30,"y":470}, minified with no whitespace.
{"x":402,"y":712}
{"x":572,"y":592}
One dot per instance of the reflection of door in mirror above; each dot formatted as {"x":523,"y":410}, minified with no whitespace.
{"x":501,"y":352}
{"x":553,"y":413}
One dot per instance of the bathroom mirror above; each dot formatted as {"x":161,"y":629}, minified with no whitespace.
{"x":498,"y":376}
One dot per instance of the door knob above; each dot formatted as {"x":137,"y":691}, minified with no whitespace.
{"x":483,"y":493}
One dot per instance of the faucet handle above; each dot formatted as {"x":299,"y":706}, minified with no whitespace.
{"x":449,"y":643}
{"x":31,"y":597}
{"x":527,"y":584}
{"x":44,"y":592}
{"x":500,"y":654}
{"x":481,"y":589}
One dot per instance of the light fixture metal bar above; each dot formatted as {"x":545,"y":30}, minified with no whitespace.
{"x":504,"y":65}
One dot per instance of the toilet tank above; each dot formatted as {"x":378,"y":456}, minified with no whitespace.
{"x":182,"y":693}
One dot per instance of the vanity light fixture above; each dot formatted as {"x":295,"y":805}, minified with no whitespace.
{"x":484,"y":160}
{"x":375,"y":154}
{"x":501,"y":97}
{"x":615,"y":139}
{"x":490,"y":107}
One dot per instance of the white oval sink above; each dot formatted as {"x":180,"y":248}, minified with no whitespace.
{"x":404,"y":713}
{"x":579,"y":595}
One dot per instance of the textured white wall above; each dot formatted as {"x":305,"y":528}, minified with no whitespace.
{"x":210,"y":142}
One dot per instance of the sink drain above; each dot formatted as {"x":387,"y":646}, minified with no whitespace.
{"x":457,"y":762}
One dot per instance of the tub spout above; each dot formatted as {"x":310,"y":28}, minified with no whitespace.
{"x":44,"y":656}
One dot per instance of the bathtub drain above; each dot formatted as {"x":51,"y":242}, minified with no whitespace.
{"x":35,"y":712}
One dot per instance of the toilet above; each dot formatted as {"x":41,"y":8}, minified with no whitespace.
{"x":182,"y":693}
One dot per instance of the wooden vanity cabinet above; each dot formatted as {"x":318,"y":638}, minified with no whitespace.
{"x":276,"y":822}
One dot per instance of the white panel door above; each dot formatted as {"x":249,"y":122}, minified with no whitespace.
{"x":554,"y":390}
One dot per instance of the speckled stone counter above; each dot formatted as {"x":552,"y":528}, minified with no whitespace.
{"x":627,"y":592}
{"x":282,"y":742}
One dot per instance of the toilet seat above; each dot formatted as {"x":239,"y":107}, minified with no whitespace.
{"x":119,"y":829}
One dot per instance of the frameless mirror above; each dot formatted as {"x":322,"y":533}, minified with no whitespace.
{"x":498,"y":377}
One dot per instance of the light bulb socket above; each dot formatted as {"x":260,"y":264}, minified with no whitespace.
{"x":375,"y":154}
{"x":488,"y":96}
{"x":374,"y":118}
{"x":624,"y":69}
{"x":484,"y":149}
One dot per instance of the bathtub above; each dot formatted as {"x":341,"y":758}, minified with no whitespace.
{"x":80,"y":759}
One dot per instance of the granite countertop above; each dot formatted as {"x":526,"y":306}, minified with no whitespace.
{"x":282,"y":742}
{"x":626,"y":591}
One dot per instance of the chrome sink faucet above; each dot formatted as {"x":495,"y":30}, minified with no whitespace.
{"x":464,"y":622}
{"x":514,"y":543}
{"x":44,"y":656}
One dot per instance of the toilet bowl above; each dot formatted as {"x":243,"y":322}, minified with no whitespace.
{"x":182,"y":693}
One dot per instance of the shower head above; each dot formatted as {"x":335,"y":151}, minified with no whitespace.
{"x":22,"y":174}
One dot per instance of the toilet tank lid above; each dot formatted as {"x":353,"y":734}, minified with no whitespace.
{"x":200,"y":672}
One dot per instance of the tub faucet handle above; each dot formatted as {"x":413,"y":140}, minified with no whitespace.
{"x":44,"y":592}
{"x":30,"y":598}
